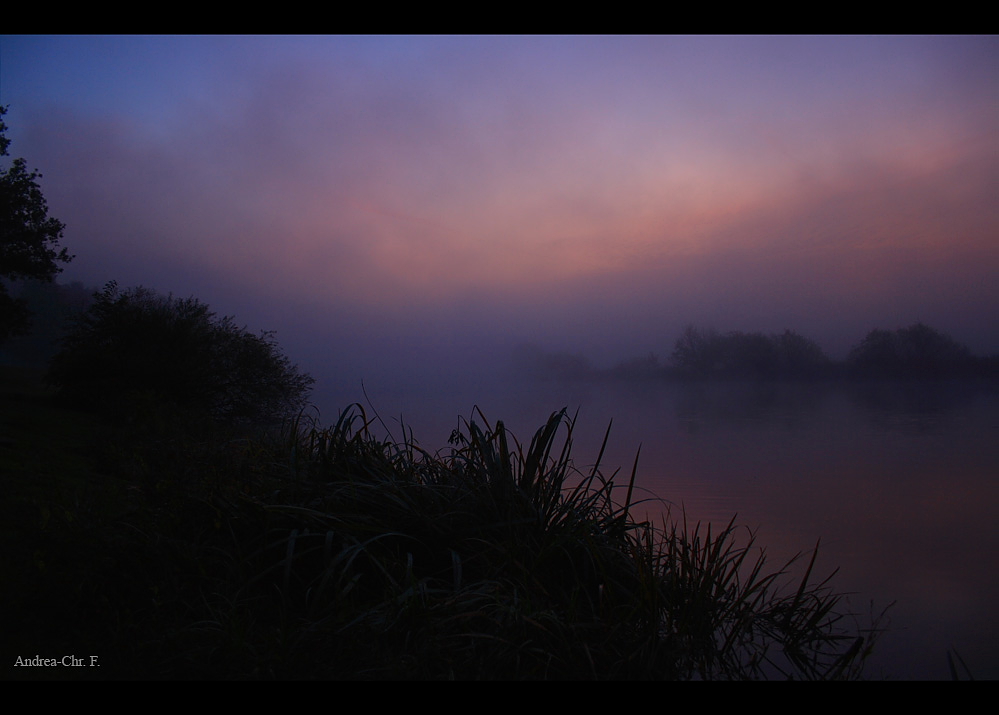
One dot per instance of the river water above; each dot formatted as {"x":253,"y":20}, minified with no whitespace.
{"x":898,"y":483}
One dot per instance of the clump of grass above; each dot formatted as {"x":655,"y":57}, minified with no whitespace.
{"x":335,"y":553}
{"x":368,"y":558}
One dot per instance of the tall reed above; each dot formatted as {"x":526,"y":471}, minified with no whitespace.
{"x":360,"y":556}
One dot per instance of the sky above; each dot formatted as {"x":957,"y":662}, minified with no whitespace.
{"x":403,"y":203}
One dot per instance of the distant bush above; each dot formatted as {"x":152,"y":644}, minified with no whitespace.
{"x":135,"y":346}
{"x":798,"y":355}
{"x":915,"y":351}
{"x":738,"y":354}
{"x":697,"y":352}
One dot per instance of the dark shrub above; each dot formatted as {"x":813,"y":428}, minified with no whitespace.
{"x":137,"y":347}
{"x":916,"y":351}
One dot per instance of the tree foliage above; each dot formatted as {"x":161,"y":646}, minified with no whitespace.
{"x":915,"y":351}
{"x":798,"y":355}
{"x":696,"y":351}
{"x":737,"y":354}
{"x":136,"y":346}
{"x":29,"y":237}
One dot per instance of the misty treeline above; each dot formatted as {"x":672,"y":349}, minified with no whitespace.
{"x":914,"y":352}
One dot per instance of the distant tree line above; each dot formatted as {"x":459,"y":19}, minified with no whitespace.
{"x":737,"y":354}
{"x":914,"y":352}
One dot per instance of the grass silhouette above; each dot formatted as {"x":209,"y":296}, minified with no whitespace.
{"x":333,"y":553}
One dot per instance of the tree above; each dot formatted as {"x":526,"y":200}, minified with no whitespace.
{"x":138,"y":348}
{"x":747,"y":355}
{"x":799,"y":356}
{"x":915,"y":351}
{"x":29,"y":237}
{"x":696,"y":352}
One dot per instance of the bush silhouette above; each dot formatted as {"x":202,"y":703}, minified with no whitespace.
{"x":738,"y":354}
{"x":135,"y":347}
{"x":915,"y":351}
{"x":697,"y":352}
{"x":800,"y":356}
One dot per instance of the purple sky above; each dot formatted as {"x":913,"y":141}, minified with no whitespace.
{"x":440,"y":199}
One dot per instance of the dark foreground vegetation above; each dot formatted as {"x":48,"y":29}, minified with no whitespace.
{"x":331,"y":553}
{"x":172,"y":512}
{"x":207,"y":549}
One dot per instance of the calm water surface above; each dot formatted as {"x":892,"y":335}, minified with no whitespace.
{"x":898,"y":483}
